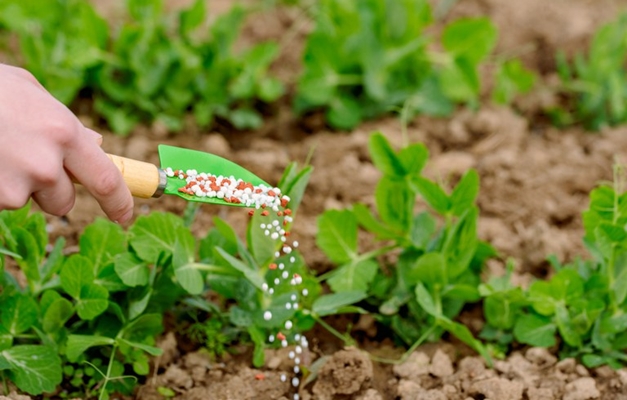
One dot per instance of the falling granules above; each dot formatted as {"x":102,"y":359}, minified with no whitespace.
{"x":268,"y":199}
{"x":281,"y":273}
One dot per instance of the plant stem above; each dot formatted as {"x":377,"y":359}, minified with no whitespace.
{"x":347,"y":341}
{"x":109,"y":368}
{"x":405,"y":355}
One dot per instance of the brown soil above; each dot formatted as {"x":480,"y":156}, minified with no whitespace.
{"x":535,"y":180}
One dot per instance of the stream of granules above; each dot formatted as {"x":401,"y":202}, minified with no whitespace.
{"x":269,"y":202}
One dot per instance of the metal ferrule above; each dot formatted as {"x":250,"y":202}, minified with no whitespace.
{"x":163,"y":181}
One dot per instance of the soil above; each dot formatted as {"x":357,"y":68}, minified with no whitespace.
{"x":535,"y":180}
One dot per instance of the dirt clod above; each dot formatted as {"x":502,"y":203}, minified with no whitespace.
{"x":539,"y":394}
{"x":347,"y":372}
{"x":416,"y":364}
{"x":370,"y":394}
{"x":582,"y":389}
{"x":441,"y":365}
{"x":497,"y":388}
{"x":540,"y":357}
{"x":177,"y":377}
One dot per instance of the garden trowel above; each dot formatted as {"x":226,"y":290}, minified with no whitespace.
{"x":146,"y":180}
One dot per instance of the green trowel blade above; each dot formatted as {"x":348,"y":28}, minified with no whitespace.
{"x":185,"y":159}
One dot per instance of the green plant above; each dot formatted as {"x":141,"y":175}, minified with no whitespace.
{"x":438,"y":257}
{"x":584,"y":303}
{"x":363,"y":58}
{"x":153,"y":68}
{"x":98,"y":298}
{"x":595,"y":84}
{"x":93,"y":316}
{"x":157,"y":72}
{"x":60,"y":42}
{"x":367,"y":58}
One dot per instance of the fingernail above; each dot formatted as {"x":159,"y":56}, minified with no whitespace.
{"x":96,"y":135}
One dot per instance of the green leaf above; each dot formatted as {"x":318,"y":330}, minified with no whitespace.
{"x":76,"y":273}
{"x":344,"y":112}
{"x":430,"y":270}
{"x":337,"y":235}
{"x":463,"y":333}
{"x":33,"y":368}
{"x":465,"y":193}
{"x":57,"y":314}
{"x":77,"y":279}
{"x":386,"y":160}
{"x":511,"y":78}
{"x":395,"y":202}
{"x":270,"y":89}
{"x":147,"y":11}
{"x":459,"y":81}
{"x":426,"y":301}
{"x":6,"y":339}
{"x":145,"y":326}
{"x":502,"y":308}
{"x":138,"y":300}
{"x":566,"y":327}
{"x":156,"y":233}
{"x":101,"y":242}
{"x":423,"y":229}
{"x":18,"y":313}
{"x":78,"y":344}
{"x":185,"y":269}
{"x":259,"y":339}
{"x":191,"y":18}
{"x":251,"y":275}
{"x":472,"y":38}
{"x":31,"y":255}
{"x":463,"y":292}
{"x":131,"y":270}
{"x":372,"y":224}
{"x":296,"y":185}
{"x":461,"y":243}
{"x":54,"y":261}
{"x":261,"y":246}
{"x":329,"y":304}
{"x":228,"y":233}
{"x":541,"y":297}
{"x":414,"y":157}
{"x":535,"y":330}
{"x":153,"y":351}
{"x":93,"y":301}
{"x":353,"y":276}
{"x":432,"y":194}
{"x":245,"y":118}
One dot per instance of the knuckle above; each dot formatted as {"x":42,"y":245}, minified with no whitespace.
{"x":107,"y":184}
{"x":12,"y":200}
{"x":46,"y":177}
{"x":63,"y":129}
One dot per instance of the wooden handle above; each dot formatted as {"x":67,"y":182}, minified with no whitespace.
{"x":144,"y":180}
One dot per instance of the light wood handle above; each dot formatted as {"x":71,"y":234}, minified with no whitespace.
{"x":144,"y":179}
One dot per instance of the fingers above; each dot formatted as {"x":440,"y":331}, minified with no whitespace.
{"x":86,"y":161}
{"x":95,"y":135}
{"x":14,"y":193}
{"x":57,"y":199}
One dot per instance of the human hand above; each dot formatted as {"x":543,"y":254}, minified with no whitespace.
{"x":43,"y":146}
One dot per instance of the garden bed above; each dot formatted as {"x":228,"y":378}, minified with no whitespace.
{"x":535,"y":182}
